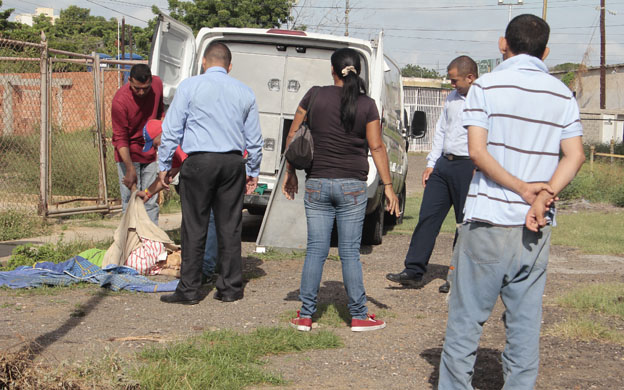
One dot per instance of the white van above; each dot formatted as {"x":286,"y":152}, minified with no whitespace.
{"x":280,"y":66}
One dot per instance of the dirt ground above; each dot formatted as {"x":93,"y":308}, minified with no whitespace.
{"x":78,"y":324}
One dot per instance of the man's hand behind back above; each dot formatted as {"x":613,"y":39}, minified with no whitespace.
{"x":531,"y":190}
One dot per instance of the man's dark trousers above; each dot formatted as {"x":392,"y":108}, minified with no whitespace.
{"x":447,"y":186}
{"x":212,"y":180}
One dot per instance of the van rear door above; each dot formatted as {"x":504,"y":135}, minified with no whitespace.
{"x":172,"y":55}
{"x":261,"y":67}
{"x":280,"y":76}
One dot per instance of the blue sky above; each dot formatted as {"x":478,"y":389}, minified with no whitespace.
{"x":421,"y":32}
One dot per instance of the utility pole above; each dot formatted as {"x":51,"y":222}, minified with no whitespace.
{"x":518,"y":2}
{"x":544,"y":9}
{"x":123,"y":44}
{"x":603,"y":97}
{"x":347,"y":18}
{"x":130,"y":40}
{"x":123,"y":38}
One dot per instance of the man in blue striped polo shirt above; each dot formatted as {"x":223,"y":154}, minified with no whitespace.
{"x":519,"y":118}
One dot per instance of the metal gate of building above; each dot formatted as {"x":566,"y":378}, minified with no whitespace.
{"x":431,"y":101}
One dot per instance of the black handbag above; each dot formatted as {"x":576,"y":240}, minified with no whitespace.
{"x":300,"y":151}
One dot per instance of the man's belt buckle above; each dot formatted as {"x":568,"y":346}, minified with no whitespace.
{"x":452,"y":157}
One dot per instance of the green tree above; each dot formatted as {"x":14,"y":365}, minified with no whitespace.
{"x":410,"y":70}
{"x":568,"y":79}
{"x":231,"y":13}
{"x":4,"y":17}
{"x":565,"y":67}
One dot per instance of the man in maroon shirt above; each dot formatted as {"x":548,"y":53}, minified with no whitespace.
{"x":133,"y":105}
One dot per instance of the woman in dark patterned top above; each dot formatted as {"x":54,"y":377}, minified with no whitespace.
{"x":344,"y":123}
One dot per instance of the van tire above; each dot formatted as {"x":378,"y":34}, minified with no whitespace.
{"x":372,"y":231}
{"x":392,"y":220}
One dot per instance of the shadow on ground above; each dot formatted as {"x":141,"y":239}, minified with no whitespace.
{"x":332,"y":293}
{"x":488,"y":374}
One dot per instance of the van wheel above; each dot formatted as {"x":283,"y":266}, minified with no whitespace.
{"x":372,"y":232}
{"x":392,"y":220}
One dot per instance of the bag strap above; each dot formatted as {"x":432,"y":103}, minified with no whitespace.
{"x":307,"y":117}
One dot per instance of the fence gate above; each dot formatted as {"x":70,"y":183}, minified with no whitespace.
{"x":431,"y":101}
{"x":21,"y":115}
{"x":55,"y":128}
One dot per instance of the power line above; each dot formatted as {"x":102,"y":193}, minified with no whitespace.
{"x":119,"y":12}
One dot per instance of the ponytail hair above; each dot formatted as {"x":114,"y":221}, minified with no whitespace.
{"x":347,"y":66}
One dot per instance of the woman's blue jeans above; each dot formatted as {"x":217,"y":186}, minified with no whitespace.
{"x":326,"y":200}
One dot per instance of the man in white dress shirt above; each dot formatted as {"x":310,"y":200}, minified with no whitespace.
{"x":446,"y":178}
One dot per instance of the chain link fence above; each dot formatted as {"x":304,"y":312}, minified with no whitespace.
{"x":20,"y":136}
{"x":56,"y":157}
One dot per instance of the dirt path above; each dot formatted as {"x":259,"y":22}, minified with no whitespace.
{"x":79,"y":323}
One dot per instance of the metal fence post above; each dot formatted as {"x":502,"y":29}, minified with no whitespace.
{"x":612,"y":149}
{"x":43,"y":150}
{"x":592,"y":150}
{"x":100,"y":129}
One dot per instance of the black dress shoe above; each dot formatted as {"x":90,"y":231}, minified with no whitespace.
{"x":176,"y":298}
{"x":227,"y":298}
{"x":445,"y":288}
{"x":406,"y":279}
{"x":211,"y":278}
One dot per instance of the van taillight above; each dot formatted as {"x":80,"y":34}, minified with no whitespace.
{"x":286,"y":32}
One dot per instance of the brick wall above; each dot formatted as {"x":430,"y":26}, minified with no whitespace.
{"x":72,"y":101}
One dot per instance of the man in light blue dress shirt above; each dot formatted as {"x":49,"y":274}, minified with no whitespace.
{"x":215,"y":118}
{"x":446,"y":178}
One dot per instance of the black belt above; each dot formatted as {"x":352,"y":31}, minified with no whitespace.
{"x":452,"y":157}
{"x":237,"y":152}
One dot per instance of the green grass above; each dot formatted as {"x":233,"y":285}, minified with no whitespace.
{"x":586,"y":329}
{"x":276,"y":254}
{"x":591,"y":232}
{"x":74,"y":163}
{"x":410,"y":218}
{"x":604,"y":185}
{"x":15,"y":225}
{"x":30,"y":254}
{"x":224,"y":359}
{"x":605,"y":298}
{"x":171,"y":202}
{"x":596,"y":313}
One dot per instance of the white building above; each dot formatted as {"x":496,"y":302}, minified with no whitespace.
{"x":28,"y":18}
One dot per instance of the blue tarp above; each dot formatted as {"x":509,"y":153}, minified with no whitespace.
{"x":77,"y":269}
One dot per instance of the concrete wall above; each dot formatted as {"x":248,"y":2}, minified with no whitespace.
{"x":587,"y":88}
{"x":602,"y":126}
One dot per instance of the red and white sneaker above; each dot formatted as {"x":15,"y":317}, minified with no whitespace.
{"x":369,"y":323}
{"x":302,"y":324}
